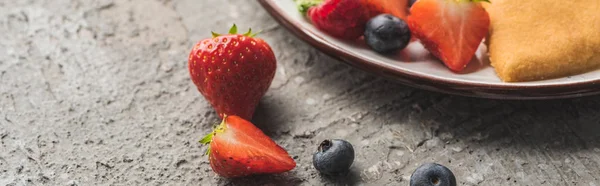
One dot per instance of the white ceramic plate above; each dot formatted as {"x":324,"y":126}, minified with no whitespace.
{"x":414,"y":66}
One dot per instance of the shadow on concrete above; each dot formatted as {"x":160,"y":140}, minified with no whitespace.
{"x":352,"y":178}
{"x":556,"y":124}
{"x":267,"y":117}
{"x":285,"y":179}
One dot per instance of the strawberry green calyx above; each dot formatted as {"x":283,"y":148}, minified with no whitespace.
{"x":218,"y":130}
{"x":233,"y":30}
{"x":304,"y":5}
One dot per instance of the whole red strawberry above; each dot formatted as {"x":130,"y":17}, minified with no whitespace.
{"x":238,"y":148}
{"x":232,"y":71}
{"x":343,"y":19}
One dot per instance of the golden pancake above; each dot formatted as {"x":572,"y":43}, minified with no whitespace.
{"x":535,"y":40}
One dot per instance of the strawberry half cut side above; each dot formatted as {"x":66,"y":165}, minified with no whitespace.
{"x":238,"y":148}
{"x":451,"y":30}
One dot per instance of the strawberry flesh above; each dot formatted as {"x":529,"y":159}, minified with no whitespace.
{"x":451,"y":30}
{"x":238,"y":148}
{"x":396,"y":8}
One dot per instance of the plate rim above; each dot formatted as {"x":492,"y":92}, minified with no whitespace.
{"x":455,"y":87}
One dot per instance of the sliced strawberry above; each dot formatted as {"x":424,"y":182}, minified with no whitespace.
{"x":396,"y":8}
{"x":238,"y":148}
{"x":451,"y":30}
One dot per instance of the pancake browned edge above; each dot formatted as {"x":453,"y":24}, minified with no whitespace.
{"x":536,"y":40}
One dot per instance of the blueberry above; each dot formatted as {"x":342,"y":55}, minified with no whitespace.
{"x":334,"y":157}
{"x":432,"y":174}
{"x":386,"y":33}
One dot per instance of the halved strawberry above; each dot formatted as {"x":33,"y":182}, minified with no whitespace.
{"x":238,"y":148}
{"x":451,"y":30}
{"x":396,"y":8}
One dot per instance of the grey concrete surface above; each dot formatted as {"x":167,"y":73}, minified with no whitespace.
{"x":98,"y":93}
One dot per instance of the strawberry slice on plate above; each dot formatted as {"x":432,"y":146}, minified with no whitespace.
{"x":396,"y":8}
{"x":238,"y":148}
{"x":451,"y":30}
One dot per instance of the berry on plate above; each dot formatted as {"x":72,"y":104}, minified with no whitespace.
{"x":232,"y":71}
{"x":432,"y":174}
{"x":451,"y":30}
{"x":386,"y":33}
{"x":237,"y":148}
{"x":334,"y":157}
{"x":346,"y":19}
{"x":340,"y":18}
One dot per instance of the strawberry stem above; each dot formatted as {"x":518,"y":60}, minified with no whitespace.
{"x":304,"y":5}
{"x":249,"y":32}
{"x":233,"y":30}
{"x":207,"y":139}
{"x":219,"y":129}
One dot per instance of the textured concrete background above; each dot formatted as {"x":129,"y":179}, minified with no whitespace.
{"x":98,"y":93}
